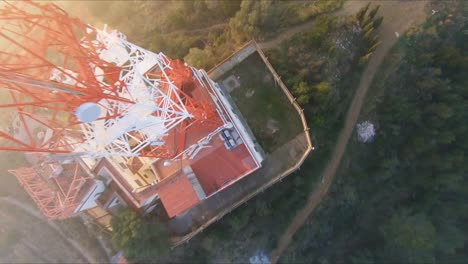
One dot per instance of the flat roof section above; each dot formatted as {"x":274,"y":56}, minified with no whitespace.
{"x":218,"y":167}
{"x":177,"y":195}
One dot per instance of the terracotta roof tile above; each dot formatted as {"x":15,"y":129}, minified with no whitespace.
{"x":177,"y":195}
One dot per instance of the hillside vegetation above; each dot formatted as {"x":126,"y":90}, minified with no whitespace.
{"x":204,"y":32}
{"x":402,"y":198}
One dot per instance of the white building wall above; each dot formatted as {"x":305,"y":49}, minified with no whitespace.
{"x":90,"y":199}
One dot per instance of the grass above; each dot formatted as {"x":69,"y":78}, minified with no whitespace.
{"x":267,"y":105}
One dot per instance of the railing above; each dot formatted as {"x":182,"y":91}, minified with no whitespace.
{"x":291,"y":98}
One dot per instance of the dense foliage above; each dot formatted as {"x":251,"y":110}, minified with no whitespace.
{"x":402,"y":198}
{"x":257,"y":19}
{"x":315,"y":61}
{"x":141,"y":239}
{"x":202,"y":32}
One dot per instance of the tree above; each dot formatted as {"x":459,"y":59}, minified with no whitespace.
{"x":139,"y":238}
{"x":240,"y":220}
{"x":368,"y":27}
{"x":303,"y":92}
{"x":377,"y":22}
{"x":200,"y":58}
{"x":410,"y":237}
{"x":319,"y":33}
{"x":322,"y":90}
{"x":364,"y":59}
{"x":373,"y":47}
{"x":441,"y":110}
{"x":368,"y":34}
{"x":249,"y":20}
{"x":363,"y":257}
{"x":450,"y":238}
{"x":362,"y":12}
{"x":374,"y":40}
{"x":373,"y":12}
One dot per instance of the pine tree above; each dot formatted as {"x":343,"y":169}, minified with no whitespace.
{"x":367,"y":20}
{"x":368,"y":34}
{"x":374,"y":40}
{"x":378,"y":21}
{"x":373,"y":47}
{"x":368,"y":27}
{"x":362,"y":12}
{"x":364,"y":59}
{"x":374,"y":11}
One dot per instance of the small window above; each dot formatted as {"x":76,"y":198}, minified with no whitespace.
{"x":146,"y":176}
{"x":139,"y":183}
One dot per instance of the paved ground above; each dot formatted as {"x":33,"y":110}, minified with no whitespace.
{"x":399,"y":16}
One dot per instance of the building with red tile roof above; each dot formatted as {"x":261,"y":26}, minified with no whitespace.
{"x":180,"y":184}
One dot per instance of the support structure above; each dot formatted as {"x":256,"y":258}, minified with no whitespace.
{"x":57,"y":196}
{"x":81,"y":91}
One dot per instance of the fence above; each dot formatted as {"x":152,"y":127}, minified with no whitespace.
{"x":218,"y":71}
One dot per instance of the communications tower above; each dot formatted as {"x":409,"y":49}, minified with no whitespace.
{"x":75,"y":90}
{"x":70,"y":91}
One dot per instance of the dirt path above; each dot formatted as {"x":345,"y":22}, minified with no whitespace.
{"x":399,"y":16}
{"x":38,"y":216}
{"x":287,"y":34}
{"x":198,"y":30}
{"x":290,"y":32}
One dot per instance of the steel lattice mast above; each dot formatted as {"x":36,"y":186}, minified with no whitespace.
{"x":56,"y":197}
{"x":73,"y":89}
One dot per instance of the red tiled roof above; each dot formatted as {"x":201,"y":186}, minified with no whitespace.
{"x":220,"y":166}
{"x":177,"y":195}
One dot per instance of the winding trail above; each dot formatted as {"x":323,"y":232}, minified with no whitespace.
{"x":399,"y":16}
{"x":287,"y":34}
{"x":198,"y":30}
{"x":291,"y":31}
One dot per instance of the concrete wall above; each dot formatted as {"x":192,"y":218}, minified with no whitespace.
{"x":229,"y":63}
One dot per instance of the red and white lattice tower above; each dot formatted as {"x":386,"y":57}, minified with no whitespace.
{"x":74,"y":90}
{"x":70,"y":90}
{"x":56,"y":196}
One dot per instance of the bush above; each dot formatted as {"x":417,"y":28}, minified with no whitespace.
{"x":141,"y":239}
